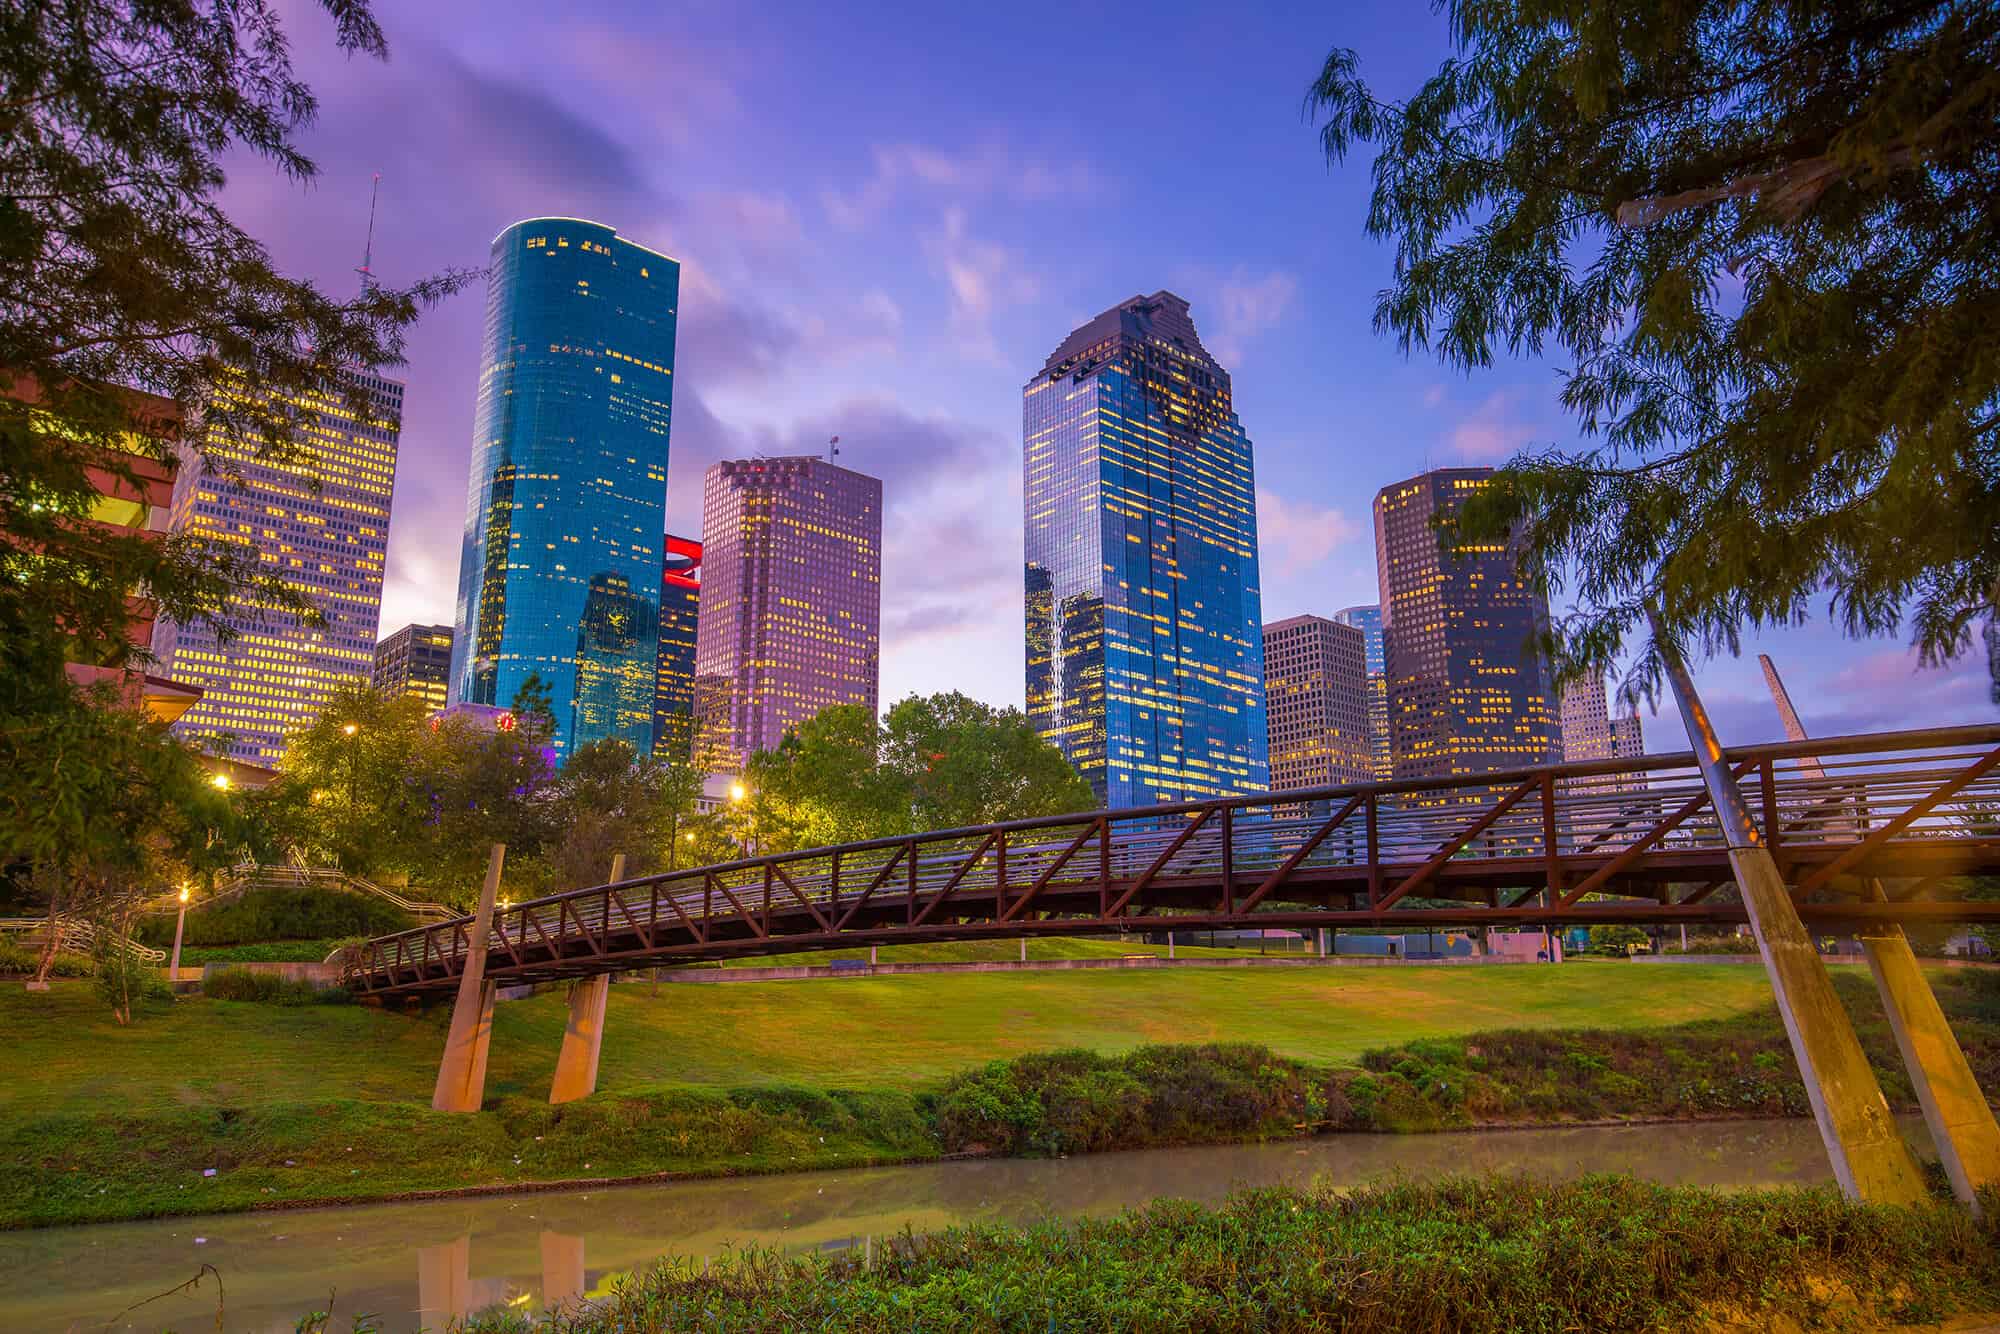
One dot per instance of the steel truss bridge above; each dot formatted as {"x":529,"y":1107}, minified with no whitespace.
{"x":1632,"y":841}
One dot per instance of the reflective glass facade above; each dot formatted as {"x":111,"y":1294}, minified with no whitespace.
{"x":1368,"y":620}
{"x":791,"y":601}
{"x":1144,"y":646}
{"x":1467,"y":692}
{"x":561,"y":567}
{"x":680,"y":611}
{"x":321,"y":523}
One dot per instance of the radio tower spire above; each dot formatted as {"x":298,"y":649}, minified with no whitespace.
{"x":367,"y":270}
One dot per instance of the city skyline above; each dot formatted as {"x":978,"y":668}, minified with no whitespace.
{"x":887,"y":278}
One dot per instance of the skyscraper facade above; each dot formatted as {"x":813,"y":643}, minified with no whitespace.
{"x":1316,"y":695}
{"x":1467,"y":692}
{"x":680,"y":611}
{"x":416,"y":661}
{"x":791,"y":601}
{"x":1144,"y":644}
{"x":320,"y":522}
{"x":560,"y":571}
{"x":1368,"y":620}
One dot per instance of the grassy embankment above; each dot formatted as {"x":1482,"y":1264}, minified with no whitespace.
{"x":331,"y":1102}
{"x":1469,"y":1254}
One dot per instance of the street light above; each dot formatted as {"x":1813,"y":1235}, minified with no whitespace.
{"x":180,"y":925}
{"x":737,"y":792}
{"x":220,"y":782}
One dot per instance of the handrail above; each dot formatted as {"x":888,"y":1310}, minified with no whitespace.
{"x":246,"y":876}
{"x":1274,"y":835}
{"x":74,"y":931}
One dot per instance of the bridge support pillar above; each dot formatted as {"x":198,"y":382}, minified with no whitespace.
{"x":583,"y":1039}
{"x":562,"y":1269}
{"x":461,"y":1081}
{"x":444,"y":1281}
{"x":1961,"y":1123}
{"x":1868,"y":1156}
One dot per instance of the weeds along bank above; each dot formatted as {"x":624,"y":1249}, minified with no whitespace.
{"x":1468,"y":1254}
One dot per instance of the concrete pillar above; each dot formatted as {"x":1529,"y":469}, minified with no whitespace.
{"x":444,"y":1282}
{"x":562,"y":1269}
{"x":1024,"y":949}
{"x":461,"y":1081}
{"x":583,"y":1039}
{"x":583,"y":1035}
{"x":1961,"y":1123}
{"x":1868,"y":1156}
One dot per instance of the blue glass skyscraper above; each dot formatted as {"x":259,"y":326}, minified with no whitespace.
{"x":560,"y":572}
{"x":1368,"y":620}
{"x":1145,"y":648}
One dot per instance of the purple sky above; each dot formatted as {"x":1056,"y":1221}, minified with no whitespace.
{"x":887,"y":220}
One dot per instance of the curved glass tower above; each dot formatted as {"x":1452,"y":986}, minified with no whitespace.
{"x":560,"y":572}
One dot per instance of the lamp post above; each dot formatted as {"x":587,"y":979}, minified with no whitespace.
{"x":180,"y":925}
{"x":738,"y":794}
{"x":350,"y":730}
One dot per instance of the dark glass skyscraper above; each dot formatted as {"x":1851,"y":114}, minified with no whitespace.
{"x":1145,"y":652}
{"x":680,"y":613}
{"x":560,"y":572}
{"x":1368,"y":620}
{"x":1467,"y":692}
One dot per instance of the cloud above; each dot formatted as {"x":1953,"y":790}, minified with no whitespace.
{"x":1296,"y":536}
{"x":981,"y":278}
{"x":988,"y":169}
{"x":1492,"y":433}
{"x":1246,"y":307}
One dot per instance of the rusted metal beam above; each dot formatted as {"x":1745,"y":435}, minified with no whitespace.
{"x":1898,"y":823}
{"x":1305,"y":850}
{"x":1456,"y":846}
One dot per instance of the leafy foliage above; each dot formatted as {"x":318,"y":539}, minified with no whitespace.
{"x":936,"y":762}
{"x":1765,"y":238}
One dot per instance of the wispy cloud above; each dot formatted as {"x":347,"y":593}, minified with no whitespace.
{"x":991,"y":168}
{"x":1295,"y":536}
{"x":981,"y":278}
{"x":1248,"y":306}
{"x":1493,"y":432}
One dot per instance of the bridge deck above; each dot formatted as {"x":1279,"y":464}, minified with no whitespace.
{"x":1616,"y":841}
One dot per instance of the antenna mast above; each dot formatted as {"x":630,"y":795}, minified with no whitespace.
{"x":367,"y":270}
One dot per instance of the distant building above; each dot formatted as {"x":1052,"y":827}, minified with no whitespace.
{"x":791,"y":601}
{"x":415,"y":661}
{"x":1316,"y":697}
{"x":1628,"y":737}
{"x":559,"y":574}
{"x":1468,"y":693}
{"x":319,"y":522}
{"x":1144,"y":643}
{"x":1368,"y":620}
{"x":680,"y":612}
{"x":1586,"y":722}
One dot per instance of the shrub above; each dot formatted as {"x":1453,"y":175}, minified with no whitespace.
{"x":241,"y":984}
{"x":18,"y":958}
{"x":280,"y":914}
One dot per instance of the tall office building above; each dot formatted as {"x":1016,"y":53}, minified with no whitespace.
{"x":1316,"y":693}
{"x":416,"y":661}
{"x":559,"y":575}
{"x":320,"y":522}
{"x":1368,"y":620}
{"x":1145,"y":646}
{"x":1467,"y":692}
{"x":680,"y":611}
{"x":791,"y":601}
{"x":1586,"y":721}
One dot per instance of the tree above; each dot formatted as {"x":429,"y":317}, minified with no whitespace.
{"x":534,"y":705}
{"x":968,"y":763}
{"x":609,"y":801}
{"x":936,"y":762}
{"x":139,"y":324}
{"x":1765,"y":237}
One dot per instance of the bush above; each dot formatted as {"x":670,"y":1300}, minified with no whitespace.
{"x":125,"y":981}
{"x":280,"y":914}
{"x":18,"y":958}
{"x":270,"y":951}
{"x":240,"y":984}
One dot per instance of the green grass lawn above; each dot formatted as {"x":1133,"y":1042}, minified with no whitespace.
{"x":1001,"y":951}
{"x":64,"y":1055}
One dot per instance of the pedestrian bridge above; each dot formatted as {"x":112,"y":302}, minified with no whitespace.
{"x":1632,"y":841}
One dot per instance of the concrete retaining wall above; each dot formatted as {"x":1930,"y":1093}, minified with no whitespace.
{"x":321,"y":975}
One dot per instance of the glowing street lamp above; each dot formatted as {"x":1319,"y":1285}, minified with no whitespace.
{"x":180,"y":925}
{"x":220,"y":782}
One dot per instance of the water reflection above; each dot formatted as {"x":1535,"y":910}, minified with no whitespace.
{"x":427,"y":1263}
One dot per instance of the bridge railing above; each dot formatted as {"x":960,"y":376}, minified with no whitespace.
{"x":1565,"y":831}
